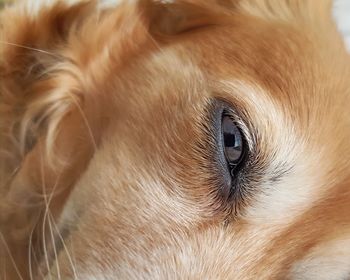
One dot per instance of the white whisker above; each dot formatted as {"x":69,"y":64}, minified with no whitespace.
{"x":45,"y":216}
{"x":52,"y":225}
{"x":30,"y":48}
{"x":30,"y":245}
{"x":70,"y":259}
{"x":49,"y":218}
{"x":50,"y":221}
{"x":39,"y":270}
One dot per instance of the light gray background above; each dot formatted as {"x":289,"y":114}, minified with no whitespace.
{"x":341,"y":11}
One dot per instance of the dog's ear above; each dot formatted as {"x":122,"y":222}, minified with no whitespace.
{"x":46,"y":133}
{"x":173,"y":18}
{"x":176,"y":17}
{"x":29,"y":55}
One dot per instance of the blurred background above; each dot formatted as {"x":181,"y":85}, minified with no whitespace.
{"x":341,"y":11}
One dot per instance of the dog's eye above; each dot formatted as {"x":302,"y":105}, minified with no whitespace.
{"x":232,"y":142}
{"x":234,"y":155}
{"x":231,"y":152}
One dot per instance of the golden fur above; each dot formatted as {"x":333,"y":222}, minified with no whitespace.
{"x":105,"y":167}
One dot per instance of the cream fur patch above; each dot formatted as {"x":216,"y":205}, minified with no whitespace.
{"x":329,"y":261}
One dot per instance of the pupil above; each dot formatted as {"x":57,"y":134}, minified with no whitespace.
{"x":232,"y":140}
{"x":229,"y":139}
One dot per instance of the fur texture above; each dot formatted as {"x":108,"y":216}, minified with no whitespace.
{"x":106,"y":159}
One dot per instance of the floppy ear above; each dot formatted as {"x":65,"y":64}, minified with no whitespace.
{"x":29,"y":54}
{"x":46,"y":134}
{"x":178,"y":17}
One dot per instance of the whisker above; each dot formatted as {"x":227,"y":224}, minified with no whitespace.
{"x":46,"y":259}
{"x":51,"y":222}
{"x":32,"y":253}
{"x":30,"y":48}
{"x":70,"y":259}
{"x":39,"y":269}
{"x":50,"y":219}
{"x":30,"y":266}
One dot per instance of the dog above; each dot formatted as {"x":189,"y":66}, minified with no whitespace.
{"x":187,"y":139}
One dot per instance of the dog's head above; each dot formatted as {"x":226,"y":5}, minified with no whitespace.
{"x":186,"y":140}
